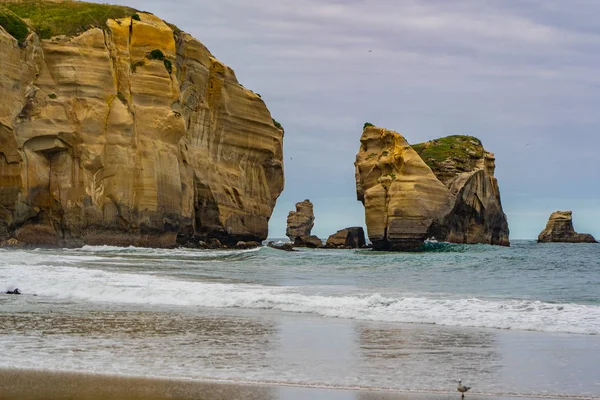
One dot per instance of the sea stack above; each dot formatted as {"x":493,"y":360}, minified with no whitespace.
{"x":130,"y":132}
{"x":444,"y":189}
{"x":300,"y":224}
{"x":560,"y":229}
{"x":301,"y":221}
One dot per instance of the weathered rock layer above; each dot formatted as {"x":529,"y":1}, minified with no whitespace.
{"x":447,"y":195}
{"x":560,"y":229}
{"x":301,"y":221}
{"x":131,"y":134}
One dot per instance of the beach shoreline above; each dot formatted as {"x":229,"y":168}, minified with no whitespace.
{"x":32,"y":384}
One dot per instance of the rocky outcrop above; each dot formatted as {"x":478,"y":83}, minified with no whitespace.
{"x":131,"y":133}
{"x":301,"y":221}
{"x":311,"y":241}
{"x":282,"y":246}
{"x":348,"y":238}
{"x":560,"y":229}
{"x":444,"y":189}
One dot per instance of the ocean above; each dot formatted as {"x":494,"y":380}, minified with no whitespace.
{"x":516,"y":321}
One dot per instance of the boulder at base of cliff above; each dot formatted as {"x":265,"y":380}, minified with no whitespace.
{"x":312,"y":242}
{"x":247,"y":245}
{"x":352,"y":238}
{"x":12,"y":242}
{"x":560,"y":229}
{"x":301,"y":221}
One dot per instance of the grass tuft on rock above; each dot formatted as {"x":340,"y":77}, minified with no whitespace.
{"x":137,"y":64}
{"x":156,"y":55}
{"x":457,"y":147}
{"x":366,"y":125}
{"x":277,"y":124}
{"x":13,"y":25}
{"x":450,"y":155}
{"x":168,"y":65}
{"x":53,"y":18}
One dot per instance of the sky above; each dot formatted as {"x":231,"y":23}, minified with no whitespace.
{"x":521,"y":75}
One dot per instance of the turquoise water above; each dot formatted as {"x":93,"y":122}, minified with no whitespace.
{"x":521,"y":320}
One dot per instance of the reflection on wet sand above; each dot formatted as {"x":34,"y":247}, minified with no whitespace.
{"x":421,"y":357}
{"x":136,"y":343}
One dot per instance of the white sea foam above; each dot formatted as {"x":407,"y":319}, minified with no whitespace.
{"x":83,"y":284}
{"x":142,"y":251}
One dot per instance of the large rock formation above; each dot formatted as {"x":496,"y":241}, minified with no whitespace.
{"x":353,"y":237}
{"x":448,"y":191}
{"x":131,"y":133}
{"x":301,"y":221}
{"x":560,"y":229}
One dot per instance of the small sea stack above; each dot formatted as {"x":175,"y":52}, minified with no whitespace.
{"x":300,"y":224}
{"x":560,"y":229}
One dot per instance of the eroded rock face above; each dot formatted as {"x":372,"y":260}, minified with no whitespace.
{"x":101,"y":143}
{"x":301,"y":221}
{"x":560,"y":229}
{"x":352,"y":238}
{"x":407,"y":201}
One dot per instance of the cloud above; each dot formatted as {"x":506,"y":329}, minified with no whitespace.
{"x":522,"y":75}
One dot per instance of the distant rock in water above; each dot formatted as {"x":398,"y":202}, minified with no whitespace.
{"x":311,"y":241}
{"x":560,"y":229}
{"x":444,"y":188}
{"x":128,"y":131}
{"x":353,"y":238}
{"x":282,"y":246}
{"x":301,"y":221}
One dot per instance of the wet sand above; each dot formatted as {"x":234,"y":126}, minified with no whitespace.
{"x":42,"y":385}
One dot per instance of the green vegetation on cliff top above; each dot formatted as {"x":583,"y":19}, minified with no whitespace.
{"x":13,"y":25}
{"x":51,"y":18}
{"x":457,"y":148}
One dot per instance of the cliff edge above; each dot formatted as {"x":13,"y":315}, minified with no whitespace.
{"x":444,"y":189}
{"x":127,"y":132}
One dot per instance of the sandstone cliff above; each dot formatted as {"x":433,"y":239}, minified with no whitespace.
{"x":131,"y":133}
{"x":560,"y":229}
{"x":448,"y":191}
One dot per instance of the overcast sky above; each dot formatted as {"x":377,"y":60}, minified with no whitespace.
{"x":521,"y":75}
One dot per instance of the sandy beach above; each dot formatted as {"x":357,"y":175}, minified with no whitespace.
{"x":269,"y":325}
{"x":37,"y":385}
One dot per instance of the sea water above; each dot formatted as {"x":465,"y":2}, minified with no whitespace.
{"x":523,"y":320}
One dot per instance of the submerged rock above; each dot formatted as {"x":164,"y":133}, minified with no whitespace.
{"x":282,"y":246}
{"x":352,"y":238}
{"x":247,"y":245}
{"x":443,"y":189}
{"x":301,"y":221}
{"x":560,"y":229}
{"x":131,"y":133}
